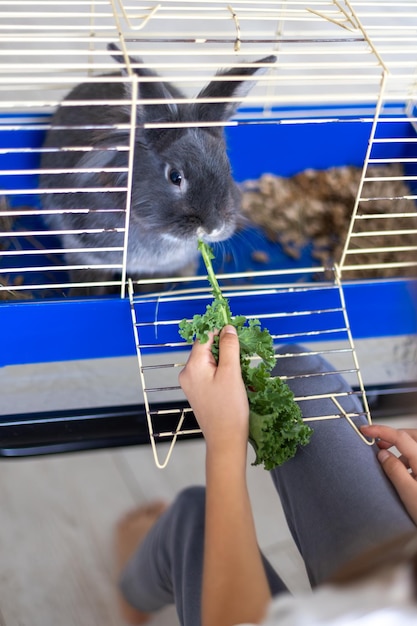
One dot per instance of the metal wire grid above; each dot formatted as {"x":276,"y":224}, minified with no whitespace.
{"x":293,"y":313}
{"x":325,"y":56}
{"x":185,"y":42}
{"x":155,"y":414}
{"x":385,"y":240}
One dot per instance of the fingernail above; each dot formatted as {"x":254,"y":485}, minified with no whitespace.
{"x":383,"y":455}
{"x":229,"y":329}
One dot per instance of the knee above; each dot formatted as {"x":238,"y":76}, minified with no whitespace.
{"x":192,"y":501}
{"x":188,"y":510}
{"x":192,"y":498}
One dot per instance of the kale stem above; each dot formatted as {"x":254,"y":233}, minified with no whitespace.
{"x":207,"y":255}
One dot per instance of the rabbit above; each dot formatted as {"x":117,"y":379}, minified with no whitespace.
{"x":181,"y":183}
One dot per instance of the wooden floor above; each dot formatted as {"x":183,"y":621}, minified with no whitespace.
{"x":57,"y":516}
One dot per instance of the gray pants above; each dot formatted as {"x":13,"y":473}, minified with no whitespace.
{"x":335,"y":496}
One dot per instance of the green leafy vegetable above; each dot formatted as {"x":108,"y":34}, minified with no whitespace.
{"x":276,"y":428}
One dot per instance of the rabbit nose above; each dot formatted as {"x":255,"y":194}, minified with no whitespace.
{"x":202,"y":232}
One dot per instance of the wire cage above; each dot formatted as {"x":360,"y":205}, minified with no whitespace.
{"x":317,"y":102}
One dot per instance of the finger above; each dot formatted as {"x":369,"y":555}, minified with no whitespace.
{"x":383,"y":444}
{"x":199,"y":360}
{"x":405,"y":445}
{"x":394,"y":436}
{"x":404,"y":461}
{"x":373,"y":431}
{"x":412,"y":432}
{"x":386,"y":433}
{"x":399,"y":438}
{"x":400,"y":477}
{"x":229,"y":351}
{"x":202,"y":351}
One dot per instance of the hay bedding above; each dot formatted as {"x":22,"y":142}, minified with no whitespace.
{"x":315,"y":207}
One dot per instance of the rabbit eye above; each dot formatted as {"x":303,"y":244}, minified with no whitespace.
{"x":175,"y":177}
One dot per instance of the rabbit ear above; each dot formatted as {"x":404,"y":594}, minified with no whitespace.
{"x":224,"y":89}
{"x":150,"y":90}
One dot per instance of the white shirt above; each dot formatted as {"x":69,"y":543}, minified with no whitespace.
{"x":383,"y":601}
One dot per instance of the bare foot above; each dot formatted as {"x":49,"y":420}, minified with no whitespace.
{"x":130,"y":532}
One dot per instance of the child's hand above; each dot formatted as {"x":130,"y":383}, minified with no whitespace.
{"x":217,"y":393}
{"x":401,"y":471}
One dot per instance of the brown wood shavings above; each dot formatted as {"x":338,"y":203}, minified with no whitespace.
{"x":316,"y":206}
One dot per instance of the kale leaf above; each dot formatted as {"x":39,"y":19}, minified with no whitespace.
{"x":276,"y":427}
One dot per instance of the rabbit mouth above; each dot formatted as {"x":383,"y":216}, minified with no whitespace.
{"x":217,"y":234}
{"x":212,"y":235}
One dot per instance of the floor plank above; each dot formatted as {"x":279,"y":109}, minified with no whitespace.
{"x":57,"y":516}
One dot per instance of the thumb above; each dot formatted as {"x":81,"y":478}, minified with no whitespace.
{"x":229,"y":351}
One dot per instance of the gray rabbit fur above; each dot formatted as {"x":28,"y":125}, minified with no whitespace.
{"x":181,"y":188}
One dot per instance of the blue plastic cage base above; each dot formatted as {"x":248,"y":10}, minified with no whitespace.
{"x":91,"y":328}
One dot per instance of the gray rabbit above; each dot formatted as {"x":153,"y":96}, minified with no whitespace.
{"x":181,"y":183}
